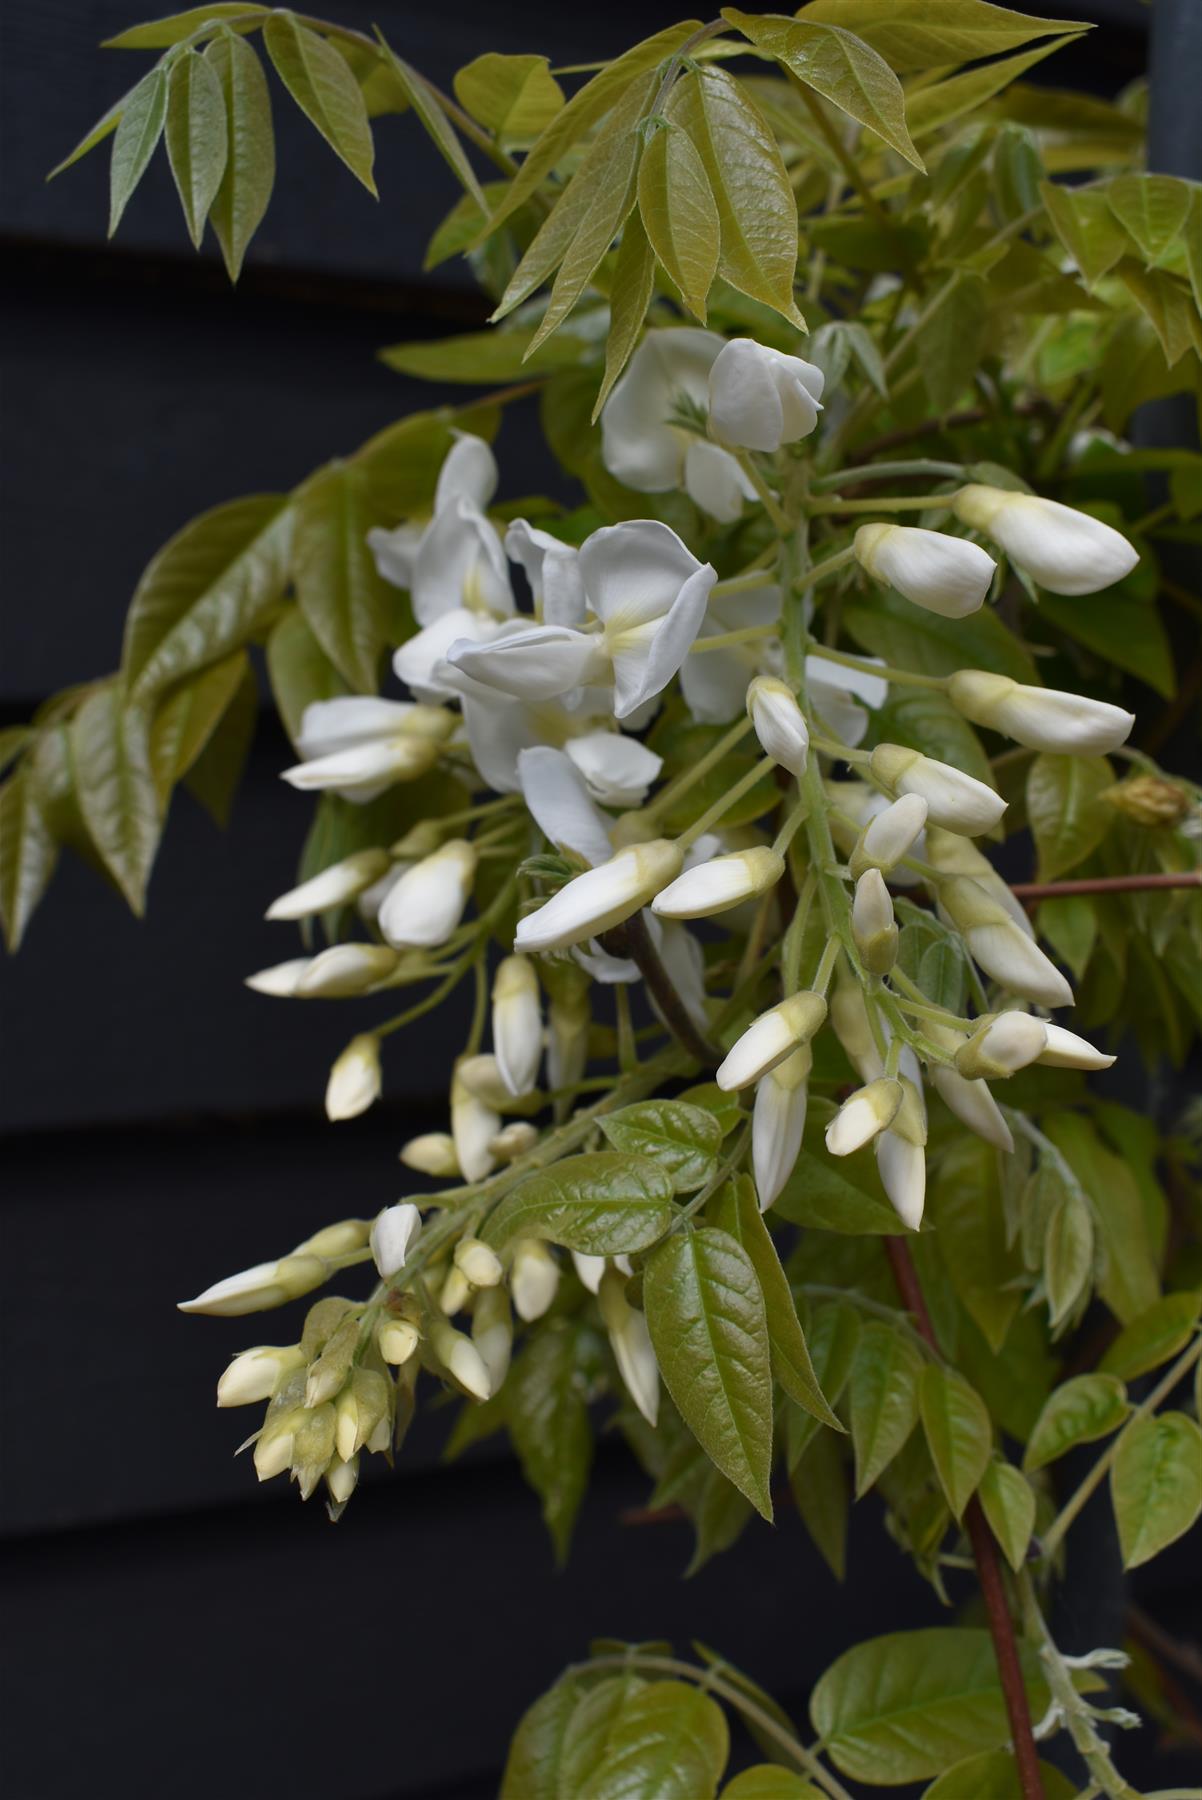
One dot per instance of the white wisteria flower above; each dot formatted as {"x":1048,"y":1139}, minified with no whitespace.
{"x":1041,"y":718}
{"x":778,"y":1123}
{"x":617,"y":770}
{"x":533,"y":1279}
{"x":946,"y":575}
{"x":714,"y":682}
{"x":954,"y":800}
{"x":255,"y":1374}
{"x":426,"y":904}
{"x":871,"y":1109}
{"x":630,"y":1340}
{"x":1065,"y":1050}
{"x":770,"y":1038}
{"x":779,"y":723}
{"x":393,"y":1236}
{"x":720,"y":883}
{"x":601,"y":897}
{"x":552,"y":570}
{"x":433,"y":1153}
{"x":333,"y":974}
{"x":840,"y":695}
{"x":532,"y":662}
{"x":355,"y":1080}
{"x":889,"y":835}
{"x":517,"y":1024}
{"x":650,"y":593}
{"x":358,"y":747}
{"x":266,"y":1285}
{"x":1002,"y":1044}
{"x":475,"y":1122}
{"x":970,"y":1101}
{"x":335,"y":885}
{"x":761,"y":398}
{"x":1065,"y":551}
{"x":1000,"y":946}
{"x":873,"y":926}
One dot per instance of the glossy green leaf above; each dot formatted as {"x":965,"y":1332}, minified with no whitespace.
{"x":630,"y":296}
{"x":320,"y":81}
{"x":602,"y":1203}
{"x":705,"y":1312}
{"x":910,"y":638}
{"x":1008,"y":1502}
{"x":950,"y":341}
{"x":484,"y":356}
{"x":964,"y":1205}
{"x":669,"y":1742}
{"x":845,"y":1196}
{"x":28,"y":853}
{"x":1068,"y":1254}
{"x":931,"y":108}
{"x":1070,"y":925}
{"x":160,"y":34}
{"x":346,"y":602}
{"x":719,"y":1514}
{"x":884,"y":1398}
{"x":1168,"y":305}
{"x":768,"y":1781}
{"x":839,"y":66}
{"x":197,"y":143}
{"x":679,"y":214}
{"x":589,"y":1729}
{"x":1127,"y":1280}
{"x":1156,"y":1484}
{"x":907,"y":1706}
{"x":214,"y":776}
{"x":1065,"y":809}
{"x":1086,"y":226}
{"x":516,"y":97}
{"x":1079,"y":1411}
{"x":1154,"y":1337}
{"x":711,"y":1099}
{"x":995,"y":1776}
{"x":425,"y":104}
{"x":820,"y":1492}
{"x":910,"y":36}
{"x":249,"y":175}
{"x":1124,"y":630}
{"x":547,"y":1414}
{"x":114,"y":784}
{"x":1151,"y":209}
{"x":958,"y":1433}
{"x":300,"y":671}
{"x":684,"y":1140}
{"x":532,"y":1766}
{"x":138,"y":130}
{"x":925,"y":719}
{"x":185,"y":723}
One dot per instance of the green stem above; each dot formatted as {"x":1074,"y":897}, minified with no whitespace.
{"x":886,"y":471}
{"x":771,"y":504}
{"x":896,"y":503}
{"x":722,"y":640}
{"x":791,"y":827}
{"x":714,"y":813}
{"x":1078,"y":1716}
{"x":900,"y":677}
{"x":667,"y":797}
{"x":794,"y":937}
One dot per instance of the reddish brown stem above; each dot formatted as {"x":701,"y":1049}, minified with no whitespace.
{"x":984,"y":1550}
{"x":1103,"y":884}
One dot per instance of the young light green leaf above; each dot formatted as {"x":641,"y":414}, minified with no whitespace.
{"x":930,"y":108}
{"x":1086,"y":227}
{"x":103,"y":128}
{"x":110,"y":753}
{"x":910,"y":36}
{"x":197,"y":141}
{"x":246,"y":184}
{"x":845,"y":1197}
{"x":1008,"y":1502}
{"x":1168,"y":304}
{"x":768,"y":1781}
{"x":958,"y":1433}
{"x":705,"y":1312}
{"x":589,"y":1728}
{"x":483,"y":356}
{"x":516,"y":97}
{"x":320,"y":81}
{"x":213,"y":777}
{"x":679,"y":214}
{"x":907,"y":1706}
{"x":757,"y":209}
{"x":160,"y":34}
{"x":28,"y":853}
{"x":819,"y":1486}
{"x":205,"y":592}
{"x":300,"y":671}
{"x":884,"y":1398}
{"x":996,"y":1774}
{"x":1065,"y":809}
{"x":839,"y":66}
{"x":1078,"y":1412}
{"x":630,"y":296}
{"x":669,"y":1742}
{"x":139,"y":127}
{"x":684,"y":1140}
{"x":1068,"y":1254}
{"x":1151,"y":209}
{"x":1154,"y":1337}
{"x":602,"y":1203}
{"x":184,"y":724}
{"x":346,"y":603}
{"x":1156,"y":1484}
{"x":438,"y":127}
{"x":548,"y":1421}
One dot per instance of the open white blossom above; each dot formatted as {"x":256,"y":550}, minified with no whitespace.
{"x":359,"y":747}
{"x":650,"y":593}
{"x":761,"y":398}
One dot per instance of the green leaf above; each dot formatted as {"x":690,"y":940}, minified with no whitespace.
{"x":532,"y":1766}
{"x":931,"y":108}
{"x":1086,"y":226}
{"x":683,"y":1139}
{"x":1070,"y":926}
{"x":548,"y":1421}
{"x":910,"y":36}
{"x":160,"y":34}
{"x":185,"y":723}
{"x":845,"y":1197}
{"x":346,"y":602}
{"x":630,"y":296}
{"x":711,"y":1099}
{"x":1151,"y":209}
{"x":736,"y":1211}
{"x":819,"y":1485}
{"x":320,"y":81}
{"x":28,"y":853}
{"x":839,"y":66}
{"x":103,"y":128}
{"x":483,"y":356}
{"x":1065,"y":809}
{"x":1168,"y":304}
{"x":1078,"y":1412}
{"x":679,"y":214}
{"x":884,"y":1398}
{"x":438,"y":127}
{"x":1156,"y":1484}
{"x":206,"y":592}
{"x":249,"y":175}
{"x":1008,"y":1502}
{"x":958,"y":1432}
{"x":669,"y":1742}
{"x":719,"y":1514}
{"x":757,"y":209}
{"x":401,"y":463}
{"x":1154,"y":1337}
{"x":1126,"y":631}
{"x":965,"y":1208}
{"x":115,"y":788}
{"x":214,"y":776}
{"x":906,"y":636}
{"x":300,"y":670}
{"x":950,"y":342}
{"x":197,"y":144}
{"x":1068,"y":1255}
{"x":907,"y":1706}
{"x":589,"y":1728}
{"x":515,"y":96}
{"x":705,"y":1312}
{"x":602,"y":1203}
{"x":768,"y":1781}
{"x":925,"y":719}
{"x":995,"y":1776}
{"x":139,"y":127}
{"x":1127,"y":1281}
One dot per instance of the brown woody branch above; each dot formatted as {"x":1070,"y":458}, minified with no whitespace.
{"x":1104,"y":884}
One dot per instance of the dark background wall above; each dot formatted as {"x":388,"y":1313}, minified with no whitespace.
{"x":171,"y":1627}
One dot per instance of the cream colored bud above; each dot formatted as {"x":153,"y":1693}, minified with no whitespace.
{"x":456,"y":1291}
{"x":1150,"y":800}
{"x":630,"y":1341}
{"x":397,"y":1339}
{"x":461,"y":1359}
{"x":998,"y":945}
{"x":970,"y":1101}
{"x":902,"y":1165}
{"x":722,"y":882}
{"x":329,"y":1372}
{"x":1065,"y":551}
{"x":513,"y":1140}
{"x":869,"y":1110}
{"x":1002,"y":1044}
{"x":481,"y":1075}
{"x":279,"y":981}
{"x":492,"y":1333}
{"x":534,"y":1279}
{"x":427,"y":903}
{"x":952,"y":854}
{"x":479,"y":1262}
{"x":431,"y":1154}
{"x":334,"y":886}
{"x":255,"y":1374}
{"x":954,"y":800}
{"x":474,"y":1124}
{"x":872,"y":923}
{"x":345,"y":970}
{"x":393,"y":1236}
{"x":361,"y":1409}
{"x":778,"y":1124}
{"x":779,"y":723}
{"x":602,"y":897}
{"x":273,"y":1446}
{"x":354,"y":1079}
{"x":259,"y":1289}
{"x":946,"y":575}
{"x":342,"y":1479}
{"x":517,"y":1025}
{"x":420,"y":841}
{"x":1041,"y":718}
{"x":1065,"y":1050}
{"x":891,"y":835}
{"x":770,"y":1038}
{"x":569,"y":1017}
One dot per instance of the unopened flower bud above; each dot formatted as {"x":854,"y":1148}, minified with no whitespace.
{"x":770,"y":1038}
{"x":869,"y":1110}
{"x":334,"y":886}
{"x":1001,"y":1045}
{"x":342,"y":1479}
{"x":1150,"y":800}
{"x":257,"y":1290}
{"x":427,"y":903}
{"x":569,"y":1017}
{"x":779,"y":723}
{"x":778,"y":1123}
{"x":397,"y":1339}
{"x":946,"y":575}
{"x":492,"y":1333}
{"x":455,"y":1293}
{"x":481,"y":1075}
{"x":853,"y":1028}
{"x":954,"y":800}
{"x":1041,"y":718}
{"x":901,"y":1157}
{"x":630,"y":1341}
{"x":1065,"y":551}
{"x":872,"y":923}
{"x":889,"y":836}
{"x":479,"y":1262}
{"x":999,"y":946}
{"x":279,"y":981}
{"x":602,"y":897}
{"x":517,"y":1026}
{"x":433,"y":1153}
{"x":722,"y":882}
{"x":255,"y":1374}
{"x":474,"y":1124}
{"x":533,"y":1279}
{"x":328,"y":1373}
{"x":334,"y":974}
{"x":1065,"y":1050}
{"x":360,"y":1409}
{"x":970,"y":1101}
{"x":393,"y":1236}
{"x":421,"y":840}
{"x":461,"y":1359}
{"x":761,"y":398}
{"x":273,"y":1446}
{"x":513,"y":1140}
{"x":355,"y":1078}
{"x":952,"y":854}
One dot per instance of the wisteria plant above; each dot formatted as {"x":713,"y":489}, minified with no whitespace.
{"x":767,"y":1142}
